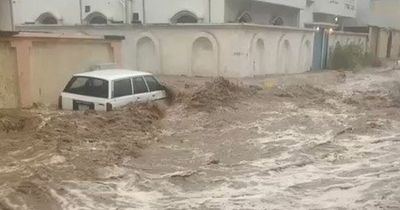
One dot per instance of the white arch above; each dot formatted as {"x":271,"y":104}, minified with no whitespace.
{"x":156,"y":43}
{"x":285,"y":55}
{"x":278,"y":54}
{"x":215,"y":47}
{"x":305,"y":56}
{"x":254,"y":56}
{"x":304,"y":43}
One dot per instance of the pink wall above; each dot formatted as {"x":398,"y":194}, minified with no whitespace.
{"x":23,"y":44}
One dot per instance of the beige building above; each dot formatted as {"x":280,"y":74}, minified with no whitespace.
{"x":34,"y":67}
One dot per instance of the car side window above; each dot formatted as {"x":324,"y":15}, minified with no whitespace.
{"x":122,"y":88}
{"x":139,"y":86}
{"x":152,"y":83}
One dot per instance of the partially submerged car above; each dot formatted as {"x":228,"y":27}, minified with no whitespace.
{"x":104,"y":90}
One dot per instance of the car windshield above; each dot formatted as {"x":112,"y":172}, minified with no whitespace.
{"x":88,"y":87}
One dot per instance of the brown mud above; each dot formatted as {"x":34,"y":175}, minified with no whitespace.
{"x":220,"y":144}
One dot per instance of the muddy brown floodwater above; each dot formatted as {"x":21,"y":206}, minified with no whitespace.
{"x":312,"y":141}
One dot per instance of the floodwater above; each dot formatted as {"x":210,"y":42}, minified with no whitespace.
{"x":296,"y":144}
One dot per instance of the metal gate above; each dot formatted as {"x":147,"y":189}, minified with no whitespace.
{"x":320,"y":49}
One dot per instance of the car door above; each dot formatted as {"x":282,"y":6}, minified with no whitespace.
{"x":156,"y":90}
{"x":141,"y":92}
{"x":122,"y":92}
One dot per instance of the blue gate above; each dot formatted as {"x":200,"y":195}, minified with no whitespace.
{"x":320,"y":49}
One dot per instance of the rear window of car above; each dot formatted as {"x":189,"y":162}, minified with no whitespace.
{"x":88,"y":86}
{"x":139,"y":86}
{"x":153,"y":84}
{"x":122,"y":88}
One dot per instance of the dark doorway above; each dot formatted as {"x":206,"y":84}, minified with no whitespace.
{"x":389,"y":45}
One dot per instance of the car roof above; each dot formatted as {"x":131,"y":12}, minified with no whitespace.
{"x":112,"y":74}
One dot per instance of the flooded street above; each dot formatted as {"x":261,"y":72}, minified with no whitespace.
{"x":318,"y":141}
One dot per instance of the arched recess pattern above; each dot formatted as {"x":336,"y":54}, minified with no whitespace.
{"x":204,"y":59}
{"x":147,"y":54}
{"x":184,"y":17}
{"x":96,"y":18}
{"x":285,"y":57}
{"x":47,"y":18}
{"x":305,"y":57}
{"x":245,"y":17}
{"x":258,"y":55}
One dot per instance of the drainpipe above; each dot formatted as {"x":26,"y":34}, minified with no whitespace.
{"x":144,"y":11}
{"x":127,"y":11}
{"x":12,"y":15}
{"x":209,"y":11}
{"x":80,"y":12}
{"x":325,"y":43}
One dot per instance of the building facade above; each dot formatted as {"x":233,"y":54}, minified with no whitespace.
{"x":294,"y":13}
{"x":328,"y":12}
{"x":62,"y":12}
{"x":379,"y":13}
{"x":233,"y":38}
{"x":81,"y":12}
{"x":378,"y":18}
{"x":6,"y":22}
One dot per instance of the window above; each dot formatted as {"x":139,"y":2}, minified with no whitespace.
{"x":87,"y":9}
{"x":187,"y":19}
{"x":153,"y":84}
{"x":139,"y":86}
{"x":245,"y":17}
{"x":47,"y":18}
{"x":184,"y":17}
{"x":278,"y":21}
{"x":96,"y":18}
{"x":78,"y":82}
{"x":122,"y":88}
{"x":88,"y":87}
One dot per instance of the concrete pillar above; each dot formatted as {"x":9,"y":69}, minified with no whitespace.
{"x":395,"y":48}
{"x":23,"y":51}
{"x":383,"y":36}
{"x":217,"y":11}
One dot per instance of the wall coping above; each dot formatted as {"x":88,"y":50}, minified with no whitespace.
{"x":183,"y":26}
{"x":349,"y":33}
{"x":56,"y":36}
{"x":47,"y":36}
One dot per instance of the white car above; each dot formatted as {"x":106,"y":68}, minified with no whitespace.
{"x":104,"y":90}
